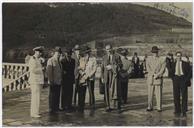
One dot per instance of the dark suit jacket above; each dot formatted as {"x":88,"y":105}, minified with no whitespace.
{"x":68,"y":67}
{"x":187,"y":71}
{"x":137,"y":63}
{"x":169,"y":63}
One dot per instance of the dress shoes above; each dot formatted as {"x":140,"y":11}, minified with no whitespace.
{"x":35,"y":116}
{"x":108,"y":110}
{"x":177,"y":115}
{"x":184,"y":115}
{"x":149,"y":109}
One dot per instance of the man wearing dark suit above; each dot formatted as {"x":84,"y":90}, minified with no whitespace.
{"x":110,"y":68}
{"x":68,"y":66}
{"x":182,"y":74}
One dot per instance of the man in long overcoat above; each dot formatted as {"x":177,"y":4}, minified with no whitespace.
{"x":76,"y":57}
{"x":110,"y":67}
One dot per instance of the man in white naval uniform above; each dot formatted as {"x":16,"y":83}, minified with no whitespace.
{"x":36,"y":80}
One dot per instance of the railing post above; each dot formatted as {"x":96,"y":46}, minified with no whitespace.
{"x":14,"y":72}
{"x":14,"y":86}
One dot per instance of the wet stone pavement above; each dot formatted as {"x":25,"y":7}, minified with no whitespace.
{"x":16,"y":110}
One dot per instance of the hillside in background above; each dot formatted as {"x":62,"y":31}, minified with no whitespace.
{"x":28,"y":25}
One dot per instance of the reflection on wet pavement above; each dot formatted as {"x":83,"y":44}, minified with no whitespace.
{"x":16,"y":107}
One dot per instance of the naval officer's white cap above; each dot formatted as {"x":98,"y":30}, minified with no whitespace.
{"x":39,"y":48}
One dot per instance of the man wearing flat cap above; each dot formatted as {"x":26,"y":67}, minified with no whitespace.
{"x":54,"y":72}
{"x":110,"y":67}
{"x":36,"y":80}
{"x":156,"y":67}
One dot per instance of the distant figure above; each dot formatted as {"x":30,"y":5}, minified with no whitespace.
{"x":155,"y":67}
{"x":68,"y":79}
{"x":76,"y":57}
{"x":36,"y":80}
{"x":135,"y":61}
{"x":124,"y":75}
{"x":110,"y":68}
{"x":141,"y":70}
{"x":144,"y":64}
{"x":54,"y":72}
{"x":169,"y":61}
{"x":182,"y":73}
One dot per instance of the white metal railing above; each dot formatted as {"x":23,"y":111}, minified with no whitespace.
{"x":18,"y":84}
{"x":17,"y":74}
{"x":13,"y":70}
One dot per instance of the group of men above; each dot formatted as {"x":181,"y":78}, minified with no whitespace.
{"x":179,"y":71}
{"x":71,"y":73}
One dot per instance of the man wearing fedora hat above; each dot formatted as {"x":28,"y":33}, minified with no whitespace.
{"x":90,"y":71}
{"x":110,"y":67}
{"x":87,"y":69}
{"x":54,"y":72}
{"x":155,"y":66}
{"x":36,"y":80}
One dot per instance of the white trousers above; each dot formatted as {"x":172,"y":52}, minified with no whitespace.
{"x":35,"y":99}
{"x":157,"y":89}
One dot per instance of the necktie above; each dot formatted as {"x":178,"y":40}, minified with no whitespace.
{"x":108,"y":59}
{"x":59,"y":62}
{"x":179,"y":68}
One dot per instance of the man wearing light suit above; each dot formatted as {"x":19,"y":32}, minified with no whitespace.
{"x":54,"y":72}
{"x":90,"y":73}
{"x":155,"y":67}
